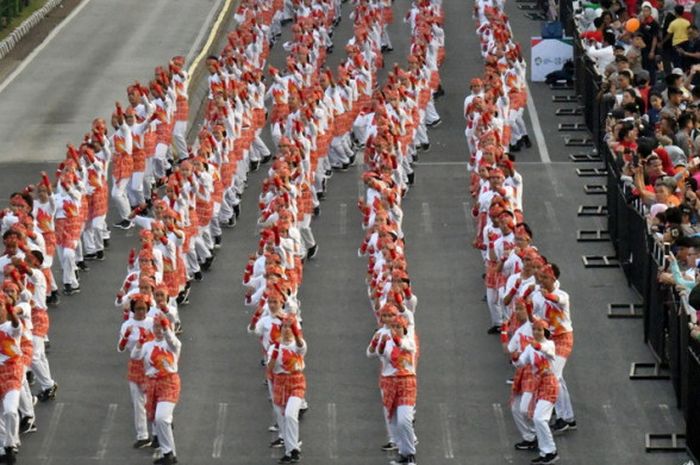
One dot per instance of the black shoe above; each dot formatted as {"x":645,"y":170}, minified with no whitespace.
{"x":296,"y":455}
{"x":217,"y":242}
{"x":526,"y":445}
{"x":231,"y":222}
{"x":311,"y":253}
{"x":254,"y":165}
{"x":237,"y":210}
{"x":317,"y":211}
{"x":526,"y":141}
{"x":69,"y":290}
{"x":100,"y":255}
{"x":11,"y":455}
{"x":177,"y":328}
{"x":285,"y":459}
{"x":550,"y":458}
{"x":277,"y":443}
{"x":302,"y":412}
{"x":90,"y":256}
{"x":439,"y":92}
{"x":166,"y":459}
{"x":321,"y":195}
{"x":48,"y":394}
{"x":27,"y":425}
{"x":496,"y":329}
{"x":266,"y":159}
{"x":389,"y":446}
{"x":31,"y":379}
{"x":53,"y":299}
{"x":425,"y":147}
{"x":572,"y":425}
{"x":411,"y":178}
{"x":154,"y":442}
{"x":434,"y":124}
{"x":344,"y":167}
{"x":82,"y":266}
{"x":207,"y":263}
{"x":124,"y":224}
{"x":141,"y":443}
{"x":514,"y":148}
{"x":105,"y":243}
{"x":402,"y":460}
{"x":197,"y":277}
{"x":329,"y":49}
{"x":560,"y":426}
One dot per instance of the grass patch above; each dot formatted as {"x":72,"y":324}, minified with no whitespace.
{"x":6,"y":27}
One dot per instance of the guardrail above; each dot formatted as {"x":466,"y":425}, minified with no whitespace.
{"x":666,"y":315}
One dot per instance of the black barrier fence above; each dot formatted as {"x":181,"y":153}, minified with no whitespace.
{"x":642,"y":255}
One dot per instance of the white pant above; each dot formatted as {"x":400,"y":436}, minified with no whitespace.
{"x":67,"y":259}
{"x":120,"y":198}
{"x":389,"y":429}
{"x":545,"y":440}
{"x":160,"y":161}
{"x":431,"y":114}
{"x":94,"y":235}
{"x":138,"y":400}
{"x":26,"y":402}
{"x":163,"y":427}
{"x":307,"y":236}
{"x":288,"y":422}
{"x":563,"y":405}
{"x":494,"y":308}
{"x":179,"y":140}
{"x":519,"y":409}
{"x":401,"y":426}
{"x":9,"y":420}
{"x":40,"y":364}
{"x":135,"y":190}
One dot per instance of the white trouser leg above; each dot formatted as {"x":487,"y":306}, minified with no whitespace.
{"x":519,"y":410}
{"x":492,"y":301}
{"x":135,"y":188}
{"x":10,"y":416}
{"x":386,"y":40}
{"x":205,"y":234}
{"x":26,"y":403}
{"x":179,"y":140}
{"x":68,"y":266}
{"x":40,"y":364}
{"x":545,"y":441}
{"x":163,"y":424}
{"x":563,"y":405}
{"x":260,"y":146}
{"x":431,"y":114}
{"x":191,"y":261}
{"x":390,"y":433}
{"x":307,"y":236}
{"x":120,"y":199}
{"x":88,"y":239}
{"x":160,"y":161}
{"x":291,"y":424}
{"x":403,"y":421}
{"x":138,"y":400}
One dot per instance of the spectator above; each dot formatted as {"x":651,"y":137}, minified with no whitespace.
{"x":677,"y":34}
{"x":649,"y":30}
{"x":604,"y":55}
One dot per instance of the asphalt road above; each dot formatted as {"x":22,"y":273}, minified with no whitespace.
{"x":463,"y":413}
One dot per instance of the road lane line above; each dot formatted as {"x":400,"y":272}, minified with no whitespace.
{"x":501,"y":423}
{"x":552,"y":216}
{"x":106,"y":430}
{"x":205,"y":27}
{"x":219,"y":436}
{"x":427,"y":220}
{"x":210,"y":40}
{"x":51,"y":431}
{"x":464,"y":163}
{"x":27,"y":61}
{"x":535,"y":119}
{"x":332,"y":431}
{"x":343,"y":214}
{"x":446,"y":433}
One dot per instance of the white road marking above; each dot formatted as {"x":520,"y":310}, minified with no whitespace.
{"x":51,"y":431}
{"x":27,"y":61}
{"x":210,"y":40}
{"x":464,"y":163}
{"x":332,"y":431}
{"x":501,"y":423}
{"x":666,"y":414}
{"x":535,"y":119}
{"x":205,"y":27}
{"x":427,"y":220}
{"x":555,"y":183}
{"x":219,"y":436}
{"x":343,"y":214}
{"x":552,"y":216}
{"x":446,"y":433}
{"x":106,"y":432}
